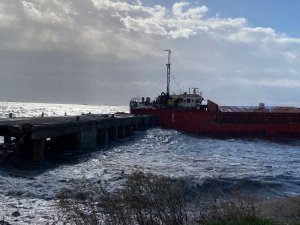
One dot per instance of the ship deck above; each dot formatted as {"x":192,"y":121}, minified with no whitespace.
{"x":269,"y":109}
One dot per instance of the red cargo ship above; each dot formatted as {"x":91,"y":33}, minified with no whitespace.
{"x":185,"y":112}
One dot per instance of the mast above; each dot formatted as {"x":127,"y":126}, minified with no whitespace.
{"x":168,"y":71}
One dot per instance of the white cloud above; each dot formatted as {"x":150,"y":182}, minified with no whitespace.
{"x":286,"y":83}
{"x":192,"y":13}
{"x":267,"y":82}
{"x":252,"y":35}
{"x":120,"y":42}
{"x":47,"y":11}
{"x":147,"y":26}
{"x":121,"y":6}
{"x":6,"y":18}
{"x":180,"y":22}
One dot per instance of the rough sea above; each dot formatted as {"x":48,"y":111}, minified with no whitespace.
{"x":262,"y":168}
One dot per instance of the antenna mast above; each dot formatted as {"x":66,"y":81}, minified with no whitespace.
{"x":168,"y":71}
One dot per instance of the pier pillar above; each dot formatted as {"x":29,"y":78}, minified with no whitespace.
{"x":87,"y":139}
{"x":17,"y":154}
{"x":136,"y":127}
{"x":149,"y":121}
{"x":121,"y":132}
{"x":113,"y":133}
{"x":38,"y":150}
{"x":146,"y":123}
{"x":7,"y":139}
{"x":103,"y":136}
{"x":61,"y":143}
{"x":141,"y":126}
{"x":153,"y":122}
{"x":128,"y":130}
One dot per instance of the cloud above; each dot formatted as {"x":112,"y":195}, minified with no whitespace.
{"x":46,"y":11}
{"x":6,"y":18}
{"x":180,"y":22}
{"x":285,"y":83}
{"x":267,"y":82}
{"x":192,"y":13}
{"x":114,"y":48}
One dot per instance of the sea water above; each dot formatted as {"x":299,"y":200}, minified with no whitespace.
{"x":264,"y":168}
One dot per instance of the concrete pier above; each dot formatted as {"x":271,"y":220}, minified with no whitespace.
{"x":87,"y":138}
{"x":32,"y":138}
{"x":38,"y":149}
{"x":121,"y":132}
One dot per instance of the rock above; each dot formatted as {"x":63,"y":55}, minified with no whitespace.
{"x":2,"y":222}
{"x":16,"y":213}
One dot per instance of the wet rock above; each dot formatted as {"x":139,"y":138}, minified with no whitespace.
{"x":63,"y":181}
{"x":16,"y":213}
{"x":2,"y":222}
{"x":29,"y":217}
{"x":15,"y":193}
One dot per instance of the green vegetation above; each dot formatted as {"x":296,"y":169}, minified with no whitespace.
{"x":148,"y":199}
{"x":143,"y":199}
{"x":233,"y":213}
{"x":241,"y":221}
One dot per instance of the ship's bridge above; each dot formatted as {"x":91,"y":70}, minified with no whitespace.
{"x":186,"y":100}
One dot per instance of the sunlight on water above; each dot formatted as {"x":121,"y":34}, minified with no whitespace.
{"x":248,"y":166}
{"x":36,"y":109}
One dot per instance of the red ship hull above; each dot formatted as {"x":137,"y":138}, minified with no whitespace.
{"x":218,"y":123}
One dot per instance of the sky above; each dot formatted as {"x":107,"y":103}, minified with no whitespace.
{"x":236,"y":52}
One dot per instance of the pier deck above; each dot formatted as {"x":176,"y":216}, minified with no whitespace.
{"x":32,"y":138}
